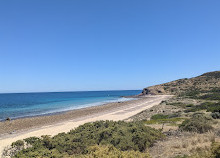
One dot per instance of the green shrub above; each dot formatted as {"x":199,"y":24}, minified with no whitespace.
{"x":175,"y":115}
{"x":33,"y":140}
{"x":182,"y":105}
{"x":189,"y":105}
{"x":214,"y":74}
{"x":122,"y":135}
{"x":215,"y":90}
{"x":171,"y":121}
{"x":178,"y":104}
{"x":40,"y":153}
{"x":112,"y":152}
{"x":18,"y":143}
{"x":198,"y":123}
{"x":211,"y":96}
{"x":159,"y":116}
{"x":215,"y":115}
{"x":191,"y":93}
{"x":161,"y":119}
{"x":181,"y":156}
{"x":208,"y":106}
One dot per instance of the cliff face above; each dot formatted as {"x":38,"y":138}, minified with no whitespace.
{"x":205,"y":82}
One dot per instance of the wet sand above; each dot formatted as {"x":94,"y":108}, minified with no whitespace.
{"x":11,"y":131}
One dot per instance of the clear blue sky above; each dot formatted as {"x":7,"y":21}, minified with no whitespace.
{"x":71,"y":45}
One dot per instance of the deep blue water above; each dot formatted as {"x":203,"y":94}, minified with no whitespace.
{"x":17,"y":105}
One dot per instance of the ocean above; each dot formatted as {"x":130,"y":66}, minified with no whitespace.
{"x":20,"y":105}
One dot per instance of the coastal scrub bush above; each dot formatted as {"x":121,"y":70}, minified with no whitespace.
{"x":175,"y":115}
{"x":182,"y":105}
{"x":208,"y":106}
{"x":211,"y":96}
{"x":161,"y":119}
{"x":214,"y":74}
{"x":215,"y":90}
{"x":18,"y":143}
{"x":215,"y":115}
{"x":189,"y":105}
{"x":214,"y":107}
{"x":191,"y":93}
{"x":159,"y":116}
{"x":171,"y":121}
{"x":110,"y":151}
{"x":124,"y":136}
{"x":198,"y":123}
{"x":32,"y":140}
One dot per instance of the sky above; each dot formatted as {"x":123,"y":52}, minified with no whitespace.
{"x":80,"y":45}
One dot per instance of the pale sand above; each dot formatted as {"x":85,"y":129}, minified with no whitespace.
{"x":114,"y":113}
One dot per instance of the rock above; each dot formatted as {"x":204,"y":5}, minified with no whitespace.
{"x":8,"y":119}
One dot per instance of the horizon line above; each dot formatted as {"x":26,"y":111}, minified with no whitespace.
{"x":70,"y":91}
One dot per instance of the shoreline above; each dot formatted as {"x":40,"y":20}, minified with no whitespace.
{"x":11,"y":131}
{"x":73,"y":109}
{"x":26,"y":123}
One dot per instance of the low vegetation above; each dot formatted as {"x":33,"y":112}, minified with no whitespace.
{"x":189,"y":125}
{"x":159,"y":117}
{"x":163,"y":119}
{"x":210,"y":96}
{"x":198,"y":123}
{"x":121,"y":138}
{"x":212,"y":152}
{"x":208,"y":106}
{"x":110,"y":151}
{"x":216,"y":115}
{"x":182,"y":105}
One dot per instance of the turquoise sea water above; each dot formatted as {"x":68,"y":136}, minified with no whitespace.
{"x":18,"y":105}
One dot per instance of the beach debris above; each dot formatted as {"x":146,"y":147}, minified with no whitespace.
{"x":8,"y":119}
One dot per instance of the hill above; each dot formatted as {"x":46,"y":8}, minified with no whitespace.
{"x":205,"y":83}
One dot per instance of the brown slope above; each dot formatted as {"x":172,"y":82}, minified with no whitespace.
{"x":205,"y":82}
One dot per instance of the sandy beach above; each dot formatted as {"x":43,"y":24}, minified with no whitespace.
{"x":11,"y":131}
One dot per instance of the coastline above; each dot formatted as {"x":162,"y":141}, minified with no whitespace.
{"x":30,"y":122}
{"x":11,"y":131}
{"x":22,"y":105}
{"x":66,"y":110}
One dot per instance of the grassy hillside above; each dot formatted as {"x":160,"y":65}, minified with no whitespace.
{"x":195,"y":108}
{"x":201,"y":85}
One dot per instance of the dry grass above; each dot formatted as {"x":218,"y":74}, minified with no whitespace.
{"x":184,"y":144}
{"x":165,"y":127}
{"x":179,"y":143}
{"x":162,"y":108}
